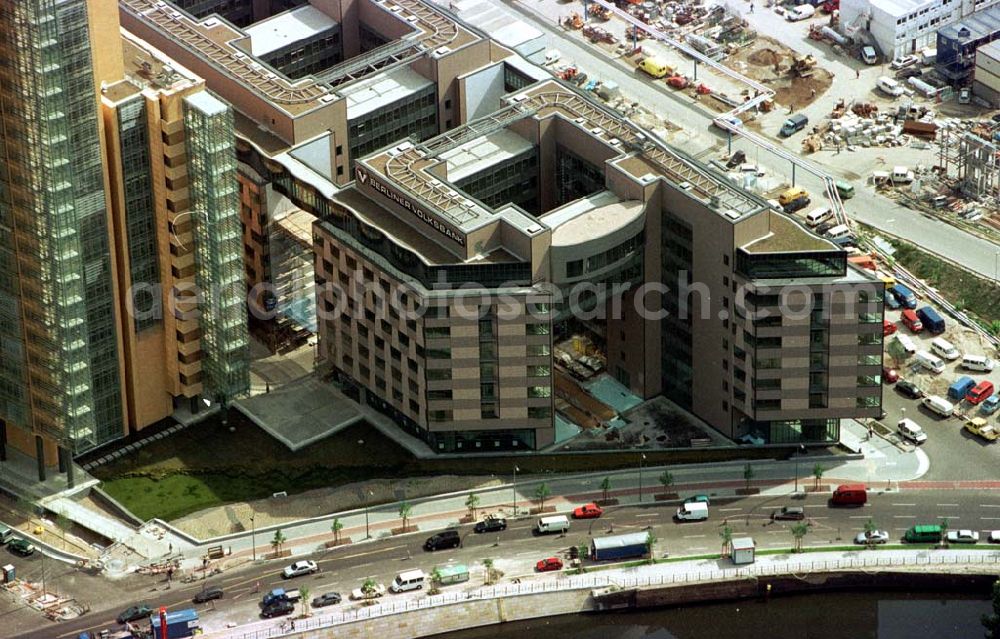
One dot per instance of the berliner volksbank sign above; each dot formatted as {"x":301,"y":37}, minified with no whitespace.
{"x":370,"y":181}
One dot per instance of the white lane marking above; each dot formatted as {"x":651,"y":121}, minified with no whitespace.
{"x":989,"y":517}
{"x":904,"y":504}
{"x":948,"y":505}
{"x":948,"y":517}
{"x":818,"y":518}
{"x":858,"y":517}
{"x":648,"y":515}
{"x":727,"y":510}
{"x":694,"y":536}
{"x":989,"y":505}
{"x":903,"y":516}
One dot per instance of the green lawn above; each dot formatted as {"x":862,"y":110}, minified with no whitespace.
{"x":206,"y":465}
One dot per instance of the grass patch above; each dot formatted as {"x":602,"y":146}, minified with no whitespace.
{"x":206,"y":465}
{"x":970,"y":293}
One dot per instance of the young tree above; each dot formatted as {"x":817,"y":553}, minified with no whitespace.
{"x":405,"y":510}
{"x":992,"y":621}
{"x":818,"y":471}
{"x":799,"y":531}
{"x":435,"y":578}
{"x":870,"y":529}
{"x":306,"y":602}
{"x":650,"y":543}
{"x":335,"y":528}
{"x":944,"y":531}
{"x":488,"y":565}
{"x":667,"y":480}
{"x":369,"y":589}
{"x":541,"y":494}
{"x":63,"y":523}
{"x":278,"y":541}
{"x":472,"y":503}
{"x":605,"y":488}
{"x":748,"y":476}
{"x":727,"y":539}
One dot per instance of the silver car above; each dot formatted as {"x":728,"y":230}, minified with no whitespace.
{"x":876,"y":537}
{"x":963,"y":537}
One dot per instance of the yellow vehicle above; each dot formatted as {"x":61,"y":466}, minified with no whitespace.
{"x":656,"y":67}
{"x":792,"y":194}
{"x":890,"y":280}
{"x":978,"y":426}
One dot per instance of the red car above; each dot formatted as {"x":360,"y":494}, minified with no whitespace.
{"x":890,"y":375}
{"x":548,"y":565}
{"x":888,"y":328}
{"x":588,"y":511}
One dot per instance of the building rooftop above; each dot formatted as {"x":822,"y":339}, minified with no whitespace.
{"x":287,"y":28}
{"x":787,"y":236}
{"x":207,"y":103}
{"x":974,"y":26}
{"x":483,"y":152}
{"x":316,"y":155}
{"x":380,"y":90}
{"x":592,"y":218}
{"x":899,"y":8}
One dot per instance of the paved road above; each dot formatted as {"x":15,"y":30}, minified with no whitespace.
{"x":515,"y":550}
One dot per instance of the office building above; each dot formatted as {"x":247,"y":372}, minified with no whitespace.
{"x":902,"y":27}
{"x":104,"y":148}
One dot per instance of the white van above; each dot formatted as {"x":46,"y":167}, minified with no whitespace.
{"x":801,"y":12}
{"x":909,"y":429}
{"x":944,"y":348}
{"x":978,"y":363}
{"x":907,"y":343}
{"x":839,"y":231}
{"x":818,"y":215}
{"x":889,"y":86}
{"x":694,"y":511}
{"x":930,"y":362}
{"x":409,"y":580}
{"x":937,"y":405}
{"x":901,"y":175}
{"x":557,"y":523}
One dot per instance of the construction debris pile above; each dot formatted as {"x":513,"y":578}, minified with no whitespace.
{"x":711,"y":30}
{"x":862,"y":124}
{"x":52,"y":605}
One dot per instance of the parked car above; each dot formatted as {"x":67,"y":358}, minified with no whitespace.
{"x":588,"y":511}
{"x":909,"y":389}
{"x":277,"y":608}
{"x":876,"y":537}
{"x":21,"y":547}
{"x":698,"y":499}
{"x":358,"y":594}
{"x":326,"y":599}
{"x":889,"y":375}
{"x":994,"y":537}
{"x":905,"y":61}
{"x":134,"y":613}
{"x":962,"y":537}
{"x":792,"y":513}
{"x":299,"y":568}
{"x":493,"y":523}
{"x":549,"y":564}
{"x":444,"y":539}
{"x":824,"y":227}
{"x":912,"y":72}
{"x":990,"y":405}
{"x":208,"y":594}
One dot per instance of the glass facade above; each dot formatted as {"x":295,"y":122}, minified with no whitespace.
{"x":312,"y":55}
{"x":218,"y":245}
{"x":575,"y":177}
{"x":789,"y":265}
{"x":413,"y":116}
{"x":513,"y":181}
{"x":59,"y":371}
{"x":140,"y":211}
{"x":239,"y":12}
{"x":677,"y":347}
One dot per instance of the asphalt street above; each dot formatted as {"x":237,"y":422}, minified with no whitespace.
{"x":515,"y":551}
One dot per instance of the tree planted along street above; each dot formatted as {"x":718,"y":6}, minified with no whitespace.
{"x":278,"y":540}
{"x":748,"y":476}
{"x":605,"y":488}
{"x":666,"y":480}
{"x":818,"y":471}
{"x":304,"y":593}
{"x":726,"y":534}
{"x":405,"y":510}
{"x":335,"y":528}
{"x":541,"y":494}
{"x":472,"y":503}
{"x":799,"y":531}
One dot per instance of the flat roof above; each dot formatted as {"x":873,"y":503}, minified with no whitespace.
{"x":597,"y":222}
{"x":206,"y":103}
{"x":899,"y":8}
{"x":980,"y":24}
{"x":287,"y":28}
{"x":483,"y":152}
{"x":786,"y":236}
{"x":378,"y":91}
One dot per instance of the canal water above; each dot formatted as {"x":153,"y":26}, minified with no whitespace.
{"x":875,"y":615}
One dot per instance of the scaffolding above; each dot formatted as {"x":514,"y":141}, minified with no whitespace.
{"x":972,"y":162}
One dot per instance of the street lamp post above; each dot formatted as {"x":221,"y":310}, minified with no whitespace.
{"x":642,"y":457}
{"x":367,"y":534}
{"x":253,"y":538}
{"x":801,"y":449}
{"x":515,"y":489}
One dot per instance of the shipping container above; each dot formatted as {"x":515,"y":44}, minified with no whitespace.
{"x":619,"y":546}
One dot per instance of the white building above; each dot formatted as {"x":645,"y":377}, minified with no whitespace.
{"x":901,"y":27}
{"x":986,"y":82}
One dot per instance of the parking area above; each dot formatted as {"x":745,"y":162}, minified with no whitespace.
{"x":954,"y":452}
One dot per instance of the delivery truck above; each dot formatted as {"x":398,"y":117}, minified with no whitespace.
{"x":619,"y":546}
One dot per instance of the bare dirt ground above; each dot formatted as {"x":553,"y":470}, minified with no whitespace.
{"x":769,"y":62}
{"x":222,"y":520}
